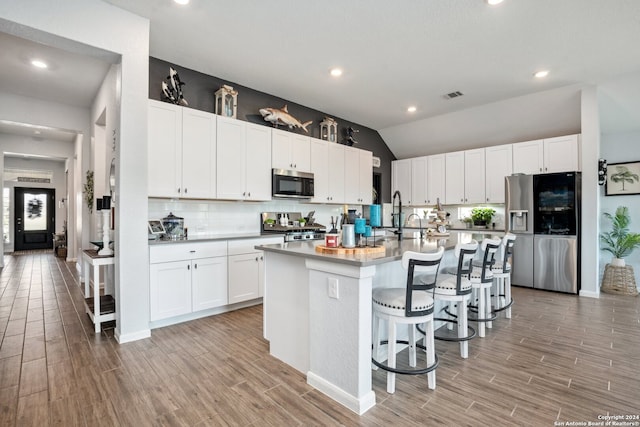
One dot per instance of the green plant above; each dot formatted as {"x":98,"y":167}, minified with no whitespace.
{"x":620,"y":242}
{"x":88,"y":191}
{"x":482,"y":214}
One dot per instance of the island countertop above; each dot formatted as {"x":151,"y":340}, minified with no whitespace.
{"x":393,"y":248}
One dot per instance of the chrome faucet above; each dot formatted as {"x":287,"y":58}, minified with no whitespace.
{"x":393,"y":213}
{"x":420,"y":220}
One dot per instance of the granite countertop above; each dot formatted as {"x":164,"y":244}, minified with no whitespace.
{"x":211,"y":238}
{"x":393,"y":248}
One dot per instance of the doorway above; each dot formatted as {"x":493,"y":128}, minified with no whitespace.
{"x":35,"y":218}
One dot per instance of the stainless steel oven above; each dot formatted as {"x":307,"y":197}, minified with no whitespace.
{"x":292,"y":184}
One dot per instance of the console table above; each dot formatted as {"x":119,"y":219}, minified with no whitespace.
{"x":100,"y":308}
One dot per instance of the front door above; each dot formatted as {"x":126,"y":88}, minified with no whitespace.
{"x":35,"y":218}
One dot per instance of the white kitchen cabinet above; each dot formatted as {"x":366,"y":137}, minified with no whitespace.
{"x":497,"y":166}
{"x":528,"y":157}
{"x":327,"y":166}
{"x":419,"y":173}
{"x":562,"y":154}
{"x":243,"y":160}
{"x":474,"y":176}
{"x":436,"y":177}
{"x":290,"y":151}
{"x":186,"y":278}
{"x":246,"y":268}
{"x":401,"y":179}
{"x":454,"y":178}
{"x":358,"y":176}
{"x":181,"y":152}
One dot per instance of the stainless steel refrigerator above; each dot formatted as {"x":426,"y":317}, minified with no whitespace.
{"x":543,"y":211}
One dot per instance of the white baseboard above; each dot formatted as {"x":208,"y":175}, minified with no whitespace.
{"x":135,"y":336}
{"x":357,"y":405}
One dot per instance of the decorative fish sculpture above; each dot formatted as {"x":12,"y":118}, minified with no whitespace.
{"x":282,"y":117}
{"x":173,"y":93}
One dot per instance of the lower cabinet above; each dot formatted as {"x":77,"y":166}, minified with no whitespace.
{"x":170,"y":286}
{"x":208,"y":280}
{"x":245,"y":274}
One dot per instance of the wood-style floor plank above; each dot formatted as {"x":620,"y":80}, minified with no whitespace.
{"x":560,"y":358}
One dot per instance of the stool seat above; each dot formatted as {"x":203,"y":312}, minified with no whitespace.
{"x":476,"y":274}
{"x":448,"y":286}
{"x":497,"y":266}
{"x":393,"y":301}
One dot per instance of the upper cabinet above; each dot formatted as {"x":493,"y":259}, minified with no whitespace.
{"x":401,"y":179}
{"x":244,"y":160}
{"x":181,"y":152}
{"x":290,"y":151}
{"x":454,"y":181}
{"x":358,"y":176}
{"x":497,"y":167}
{"x":327,"y":166}
{"x":560,"y":154}
{"x":474,"y":176}
{"x":436,"y":175}
{"x":418,"y":194}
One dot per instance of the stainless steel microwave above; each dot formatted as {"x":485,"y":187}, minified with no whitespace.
{"x":292,"y":184}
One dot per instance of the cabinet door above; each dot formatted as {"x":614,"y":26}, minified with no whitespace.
{"x":209,"y":283}
{"x":528,"y":157}
{"x":366,"y":177}
{"x":336,"y":168}
{"x":435,"y":179}
{"x":419,"y":181}
{"x":164,"y":148}
{"x":454,"y":181}
{"x":301,"y":153}
{"x":231,"y":163}
{"x":170,"y":289}
{"x":498,"y":162}
{"x":198,"y":154}
{"x":561,"y":154}
{"x":244,"y":277}
{"x":474,"y":185}
{"x":258,"y":162}
{"x":320,"y":170}
{"x":351,"y":176}
{"x":401,"y":179}
{"x":281,"y":150}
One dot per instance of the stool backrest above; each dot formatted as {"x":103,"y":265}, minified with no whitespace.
{"x":425,"y":264}
{"x":507,"y":251}
{"x":489,"y":247}
{"x":465,"y":252}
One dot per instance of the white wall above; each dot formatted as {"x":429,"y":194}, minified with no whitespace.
{"x":98,"y":24}
{"x":619,"y":148}
{"x":57,"y":183}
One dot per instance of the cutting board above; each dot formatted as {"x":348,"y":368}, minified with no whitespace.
{"x":350,"y":251}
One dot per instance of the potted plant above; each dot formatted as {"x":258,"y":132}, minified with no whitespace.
{"x":482,"y":216}
{"x":619,"y":241}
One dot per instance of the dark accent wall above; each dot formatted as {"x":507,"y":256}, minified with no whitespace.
{"x":199,"y":90}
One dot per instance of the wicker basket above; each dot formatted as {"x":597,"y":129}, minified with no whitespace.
{"x":619,"y":280}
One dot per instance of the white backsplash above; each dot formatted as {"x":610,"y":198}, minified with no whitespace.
{"x":458,"y":212}
{"x":203,"y":217}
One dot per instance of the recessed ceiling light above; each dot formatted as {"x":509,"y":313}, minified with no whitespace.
{"x":494,"y":2}
{"x":541,"y":74}
{"x":412,"y":109}
{"x":336,"y":72}
{"x":38,"y":63}
{"x":182,"y":2}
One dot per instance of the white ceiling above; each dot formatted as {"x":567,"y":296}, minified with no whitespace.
{"x":394,"y":54}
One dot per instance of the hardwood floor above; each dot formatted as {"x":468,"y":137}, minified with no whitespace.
{"x":560,"y":358}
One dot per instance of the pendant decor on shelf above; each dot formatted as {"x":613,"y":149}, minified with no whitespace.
{"x":172,"y":91}
{"x":227,"y":101}
{"x":350,"y":139}
{"x":282,"y":117}
{"x":329,"y":129}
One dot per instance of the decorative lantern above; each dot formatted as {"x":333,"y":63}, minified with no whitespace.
{"x":227,"y":101}
{"x":329,"y":130}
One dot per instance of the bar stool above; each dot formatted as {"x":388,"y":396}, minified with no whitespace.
{"x":456,"y":290}
{"x":502,"y":276}
{"x":481,"y":281}
{"x":410,"y":305}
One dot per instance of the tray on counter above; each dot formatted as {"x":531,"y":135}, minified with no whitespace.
{"x":350,"y":251}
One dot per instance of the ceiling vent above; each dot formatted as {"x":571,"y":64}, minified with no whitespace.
{"x":452,"y":95}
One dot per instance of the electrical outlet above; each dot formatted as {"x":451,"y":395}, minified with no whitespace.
{"x":332,"y":287}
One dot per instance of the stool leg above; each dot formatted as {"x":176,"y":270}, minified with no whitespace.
{"x":429,"y":342}
{"x":391,"y":357}
{"x":451,"y":310}
{"x":507,"y":294}
{"x":412,"y":345}
{"x":497,"y":282}
{"x":487,"y":312}
{"x":376,"y":340}
{"x":481,"y":312}
{"x":463,"y":322}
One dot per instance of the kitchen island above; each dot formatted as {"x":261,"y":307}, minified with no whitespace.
{"x":317,"y":309}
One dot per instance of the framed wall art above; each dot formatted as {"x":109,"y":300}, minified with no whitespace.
{"x":623,"y":179}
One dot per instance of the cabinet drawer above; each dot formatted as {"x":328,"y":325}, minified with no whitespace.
{"x":245,"y":246}
{"x":185,"y":251}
